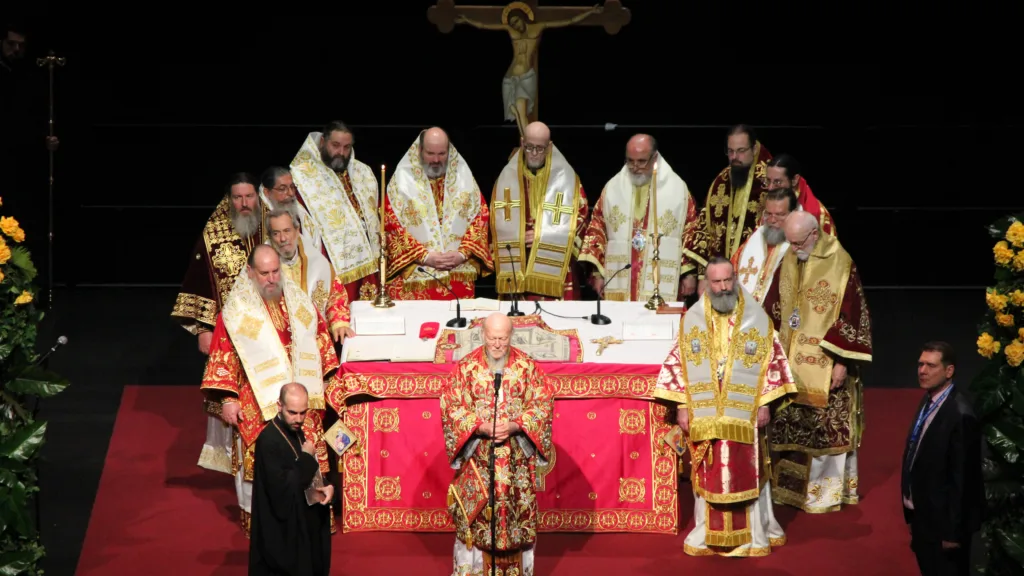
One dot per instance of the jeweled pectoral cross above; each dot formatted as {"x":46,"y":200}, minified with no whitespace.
{"x":557,"y":209}
{"x":750,"y":269}
{"x":603,"y":343}
{"x":507,"y":205}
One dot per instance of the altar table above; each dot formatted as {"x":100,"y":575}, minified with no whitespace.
{"x":612,"y":471}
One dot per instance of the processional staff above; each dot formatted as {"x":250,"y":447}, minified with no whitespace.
{"x":50,"y":61}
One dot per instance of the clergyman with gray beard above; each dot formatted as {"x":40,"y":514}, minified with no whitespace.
{"x":217,"y":257}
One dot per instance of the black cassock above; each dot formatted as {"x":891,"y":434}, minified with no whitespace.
{"x":288,"y":537}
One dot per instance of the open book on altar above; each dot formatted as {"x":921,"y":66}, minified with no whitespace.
{"x":529,"y":334}
{"x":378,"y":349}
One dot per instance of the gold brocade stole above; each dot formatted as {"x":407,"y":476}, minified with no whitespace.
{"x":810,"y":299}
{"x":437,"y":188}
{"x":723,"y":369}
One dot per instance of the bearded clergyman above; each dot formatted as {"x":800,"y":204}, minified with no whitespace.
{"x":759,"y":257}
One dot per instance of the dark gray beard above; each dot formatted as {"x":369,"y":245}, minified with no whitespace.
{"x":774,"y":236}
{"x":246,"y":225}
{"x":738,"y":175}
{"x":269,"y":293}
{"x":724,"y":302}
{"x":337,"y":163}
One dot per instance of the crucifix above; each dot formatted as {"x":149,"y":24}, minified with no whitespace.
{"x":603,"y":343}
{"x":525,"y":22}
{"x":507,"y":205}
{"x":557,"y":209}
{"x":750,"y":269}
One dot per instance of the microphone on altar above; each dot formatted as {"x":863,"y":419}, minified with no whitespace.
{"x":601,"y":319}
{"x":514,"y":311}
{"x":458,"y":321}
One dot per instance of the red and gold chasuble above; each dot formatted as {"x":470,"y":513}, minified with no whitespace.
{"x":526,"y":398}
{"x":810,"y":204}
{"x":732,"y":214}
{"x":619,"y":230}
{"x":225,"y":379}
{"x":443,"y":214}
{"x":725,"y":368}
{"x":315,"y":276}
{"x":550,"y":203}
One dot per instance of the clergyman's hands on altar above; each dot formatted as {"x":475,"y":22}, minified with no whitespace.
{"x":205,"y":338}
{"x":689,"y":285}
{"x":342,"y":332}
{"x":838,"y":375}
{"x":504,"y":430}
{"x":309,"y":448}
{"x":763,"y":415}
{"x":683,"y":419}
{"x":231,"y":412}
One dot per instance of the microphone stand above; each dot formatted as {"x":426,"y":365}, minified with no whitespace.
{"x":600,"y":319}
{"x":458,"y":321}
{"x":494,"y":513}
{"x":514,"y":311}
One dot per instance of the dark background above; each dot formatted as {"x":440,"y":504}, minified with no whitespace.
{"x":905,"y":119}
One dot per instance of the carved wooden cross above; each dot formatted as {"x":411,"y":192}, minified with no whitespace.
{"x":603,"y":343}
{"x":557,"y":209}
{"x":750,"y":269}
{"x":507,"y":205}
{"x":719,"y":201}
{"x":613,"y":17}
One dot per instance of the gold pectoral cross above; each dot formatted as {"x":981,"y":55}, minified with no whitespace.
{"x":507,"y":205}
{"x":603,"y":343}
{"x":557,"y":209}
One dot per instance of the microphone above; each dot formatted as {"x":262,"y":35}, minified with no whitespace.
{"x":497,"y":381}
{"x":458,"y":321}
{"x":61,"y":340}
{"x":601,"y":319}
{"x":514,"y":311}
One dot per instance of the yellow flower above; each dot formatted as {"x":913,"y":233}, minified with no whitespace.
{"x":5,"y":252}
{"x":1020,"y":334}
{"x":996,"y":301}
{"x":2,"y":279}
{"x":987,"y":346}
{"x":1003,"y":253}
{"x":24,"y":298}
{"x":1015,"y":234}
{"x":1018,"y":261}
{"x":1015,"y":353}
{"x":1004,"y":320}
{"x":1017,"y":298}
{"x":11,"y":228}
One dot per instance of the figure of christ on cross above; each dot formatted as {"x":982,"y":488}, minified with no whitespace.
{"x":525,"y":22}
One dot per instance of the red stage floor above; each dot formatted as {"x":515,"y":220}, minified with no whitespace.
{"x":158,"y":513}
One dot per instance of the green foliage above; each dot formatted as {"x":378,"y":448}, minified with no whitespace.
{"x":21,"y":436}
{"x":999,"y":402}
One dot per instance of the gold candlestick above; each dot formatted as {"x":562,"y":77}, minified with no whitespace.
{"x":655,"y":301}
{"x":382,"y":300}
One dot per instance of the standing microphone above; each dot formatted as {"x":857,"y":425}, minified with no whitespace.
{"x":601,"y":319}
{"x":458,"y":321}
{"x":514,"y":311}
{"x":494,"y":513}
{"x":61,"y":340}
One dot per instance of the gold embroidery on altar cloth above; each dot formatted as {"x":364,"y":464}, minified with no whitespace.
{"x":387,"y":488}
{"x":632,"y":421}
{"x":385,"y":420}
{"x":632,"y":490}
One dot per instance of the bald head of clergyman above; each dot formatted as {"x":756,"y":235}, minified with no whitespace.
{"x":497,"y":332}
{"x":802,"y":233}
{"x":641,"y":154}
{"x":292,"y":405}
{"x":535,"y":142}
{"x":434,"y":152}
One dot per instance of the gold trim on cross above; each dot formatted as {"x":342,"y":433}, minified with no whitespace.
{"x":750,"y":269}
{"x":507,"y":205}
{"x":557,"y":209}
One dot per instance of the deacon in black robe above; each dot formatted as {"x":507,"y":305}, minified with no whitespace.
{"x":289,"y":537}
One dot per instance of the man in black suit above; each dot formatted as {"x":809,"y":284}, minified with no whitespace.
{"x":942,"y":487}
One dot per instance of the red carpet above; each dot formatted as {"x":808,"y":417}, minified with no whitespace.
{"x":158,"y":513}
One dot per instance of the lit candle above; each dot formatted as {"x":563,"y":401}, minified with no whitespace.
{"x":383,"y":170}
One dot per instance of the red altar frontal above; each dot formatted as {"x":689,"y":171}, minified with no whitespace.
{"x":612,"y":471}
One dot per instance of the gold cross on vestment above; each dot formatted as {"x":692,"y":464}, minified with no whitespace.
{"x":719,"y":201}
{"x":557,"y":209}
{"x":507,"y":205}
{"x":750,"y":269}
{"x":603,"y":343}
